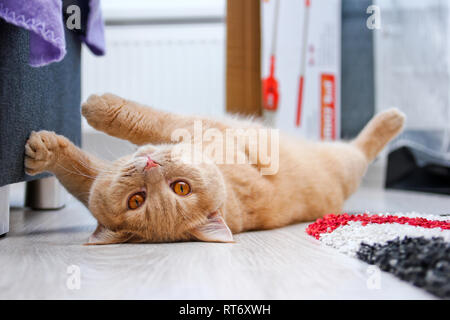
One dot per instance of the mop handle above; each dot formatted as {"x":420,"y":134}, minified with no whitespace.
{"x":275,"y":28}
{"x":303,"y":63}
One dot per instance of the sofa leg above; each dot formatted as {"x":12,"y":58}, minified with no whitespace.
{"x":4,"y":210}
{"x":45,"y":194}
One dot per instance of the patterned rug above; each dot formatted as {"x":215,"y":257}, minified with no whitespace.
{"x":413,"y":247}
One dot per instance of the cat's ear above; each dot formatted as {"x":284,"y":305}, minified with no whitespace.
{"x":103,"y":235}
{"x":214,"y":229}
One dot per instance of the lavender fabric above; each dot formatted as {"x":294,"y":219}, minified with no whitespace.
{"x":44,"y":20}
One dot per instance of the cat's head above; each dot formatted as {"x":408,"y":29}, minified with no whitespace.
{"x":152,"y":197}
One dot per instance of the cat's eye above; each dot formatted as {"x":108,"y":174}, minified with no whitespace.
{"x":181,"y":188}
{"x":136,"y":200}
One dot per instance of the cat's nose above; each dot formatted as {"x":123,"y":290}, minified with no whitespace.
{"x":150,"y":164}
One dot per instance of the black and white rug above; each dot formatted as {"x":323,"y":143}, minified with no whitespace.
{"x":413,"y":247}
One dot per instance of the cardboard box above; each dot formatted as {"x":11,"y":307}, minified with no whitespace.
{"x":307,"y":47}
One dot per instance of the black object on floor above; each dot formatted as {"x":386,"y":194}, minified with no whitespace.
{"x":404,"y":172}
{"x":423,"y":262}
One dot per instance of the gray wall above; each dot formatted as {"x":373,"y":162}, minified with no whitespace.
{"x":357,"y":91}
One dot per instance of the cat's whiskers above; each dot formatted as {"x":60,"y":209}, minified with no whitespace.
{"x":129,"y":170}
{"x":110,"y":152}
{"x":79,"y":173}
{"x":83,"y":164}
{"x":97,"y":168}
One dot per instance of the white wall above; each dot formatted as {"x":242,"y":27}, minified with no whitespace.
{"x":161,"y":53}
{"x":169,"y":54}
{"x":162,"y":9}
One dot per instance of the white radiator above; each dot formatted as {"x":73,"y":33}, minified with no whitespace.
{"x":174,"y":67}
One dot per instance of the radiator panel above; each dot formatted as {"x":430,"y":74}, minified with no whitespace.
{"x":178,"y":68}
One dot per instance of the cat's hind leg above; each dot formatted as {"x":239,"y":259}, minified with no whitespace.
{"x":384,"y":127}
{"x":355,"y":157}
{"x":346,"y":163}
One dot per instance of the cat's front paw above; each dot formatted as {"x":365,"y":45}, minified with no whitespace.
{"x":41,"y":151}
{"x":100,"y":111}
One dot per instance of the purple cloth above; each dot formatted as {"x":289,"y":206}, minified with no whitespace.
{"x":44,"y":20}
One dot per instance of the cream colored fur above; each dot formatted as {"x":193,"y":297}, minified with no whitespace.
{"x":314,"y":178}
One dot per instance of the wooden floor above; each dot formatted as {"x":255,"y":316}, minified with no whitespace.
{"x":35,"y":260}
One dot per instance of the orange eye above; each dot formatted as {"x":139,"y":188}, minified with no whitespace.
{"x":136,"y":200}
{"x":181,"y":188}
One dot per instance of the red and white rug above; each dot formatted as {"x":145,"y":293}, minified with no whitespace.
{"x":414,"y":247}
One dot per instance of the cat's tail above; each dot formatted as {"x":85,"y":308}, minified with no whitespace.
{"x":384,"y":127}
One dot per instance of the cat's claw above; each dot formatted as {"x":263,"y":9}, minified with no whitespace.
{"x":40,"y":151}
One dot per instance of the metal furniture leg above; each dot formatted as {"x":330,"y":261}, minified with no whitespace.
{"x":45,"y":194}
{"x":4,"y":210}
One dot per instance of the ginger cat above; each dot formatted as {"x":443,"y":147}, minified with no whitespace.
{"x":152,"y":196}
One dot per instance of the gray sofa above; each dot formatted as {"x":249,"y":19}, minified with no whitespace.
{"x":33,"y":99}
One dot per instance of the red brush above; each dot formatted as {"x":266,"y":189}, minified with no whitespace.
{"x":270,"y":88}
{"x":270,"y":84}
